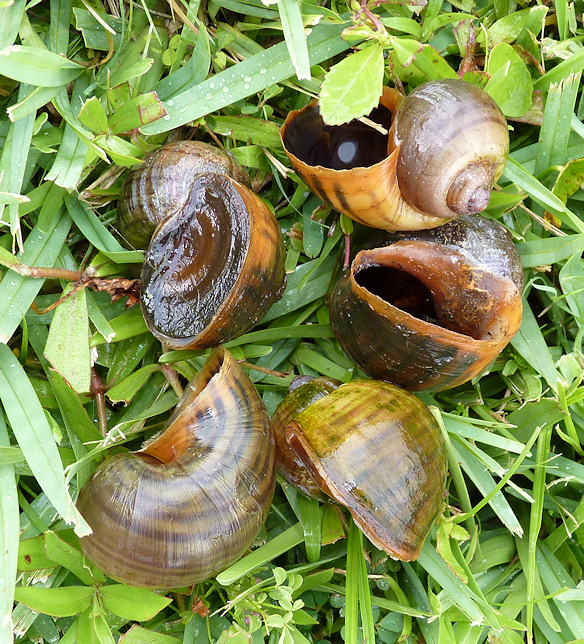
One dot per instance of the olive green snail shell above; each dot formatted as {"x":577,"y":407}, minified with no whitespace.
{"x":215,"y":258}
{"x":190,"y":503}
{"x":370,"y":446}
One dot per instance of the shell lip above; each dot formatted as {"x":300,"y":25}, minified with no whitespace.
{"x":390,"y":100}
{"x":167,"y":449}
{"x":383,"y":257}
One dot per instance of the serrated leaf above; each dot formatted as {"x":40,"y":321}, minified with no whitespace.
{"x":58,"y":602}
{"x":68,"y":343}
{"x":138,"y":604}
{"x":352,"y":87}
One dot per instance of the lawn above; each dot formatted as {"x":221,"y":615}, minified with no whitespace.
{"x":87,"y":89}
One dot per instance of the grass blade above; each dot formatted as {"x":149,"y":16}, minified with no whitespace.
{"x":33,"y":433}
{"x":245,"y":79}
{"x":293,"y":28}
{"x":9,"y":528}
{"x":17,"y":293}
{"x":278,"y":545}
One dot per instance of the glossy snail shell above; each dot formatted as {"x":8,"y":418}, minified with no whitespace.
{"x":161,"y":185}
{"x":215,"y":261}
{"x":190,"y":503}
{"x":447,"y":146}
{"x":372,"y":447}
{"x":430,"y":310}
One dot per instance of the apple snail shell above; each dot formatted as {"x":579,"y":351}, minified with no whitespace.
{"x":215,"y":260}
{"x":430,"y":309}
{"x":190,"y":503}
{"x":447,"y":145}
{"x":370,"y":446}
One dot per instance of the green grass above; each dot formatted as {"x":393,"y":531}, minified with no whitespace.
{"x":85,"y":91}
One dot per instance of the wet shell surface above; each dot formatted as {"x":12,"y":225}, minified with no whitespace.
{"x":430,"y":310}
{"x":191,"y":502}
{"x":372,"y":447}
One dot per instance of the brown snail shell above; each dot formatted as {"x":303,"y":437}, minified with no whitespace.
{"x":383,"y":457}
{"x":430,"y":310}
{"x":161,"y":185}
{"x":447,"y":146}
{"x":190,"y":503}
{"x":215,"y":261}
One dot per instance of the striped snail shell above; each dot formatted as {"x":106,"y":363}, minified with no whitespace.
{"x":215,"y":258}
{"x":430,"y":309}
{"x":370,"y":446}
{"x":447,"y":145}
{"x":190,"y":503}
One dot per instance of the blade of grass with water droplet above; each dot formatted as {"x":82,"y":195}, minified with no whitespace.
{"x":293,"y":28}
{"x":246,"y":78}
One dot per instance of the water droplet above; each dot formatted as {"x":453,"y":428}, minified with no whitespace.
{"x":167,"y":117}
{"x":246,"y":86}
{"x":225,"y":90}
{"x":247,"y":79}
{"x":208,"y":96}
{"x":170,"y":103}
{"x":263,"y":71}
{"x":212,"y":85}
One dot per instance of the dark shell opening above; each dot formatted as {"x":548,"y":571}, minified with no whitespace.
{"x":400,"y":289}
{"x":409,"y":294}
{"x":339,"y":147}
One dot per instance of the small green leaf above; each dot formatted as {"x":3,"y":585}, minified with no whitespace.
{"x":138,"y":604}
{"x":93,"y":116}
{"x":569,"y":180}
{"x":68,"y":342}
{"x":126,"y":390}
{"x":58,"y":602}
{"x":352,"y":87}
{"x":510,"y":82}
{"x":137,"y":112}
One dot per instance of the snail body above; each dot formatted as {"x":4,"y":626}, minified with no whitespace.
{"x":447,"y":145}
{"x":430,"y":309}
{"x":215,"y":258}
{"x":190,"y":503}
{"x":383,"y":457}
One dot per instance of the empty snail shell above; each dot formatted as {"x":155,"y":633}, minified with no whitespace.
{"x":215,"y":260}
{"x":383,"y":457}
{"x":191,"y":502}
{"x":447,"y":145}
{"x":430,"y":310}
